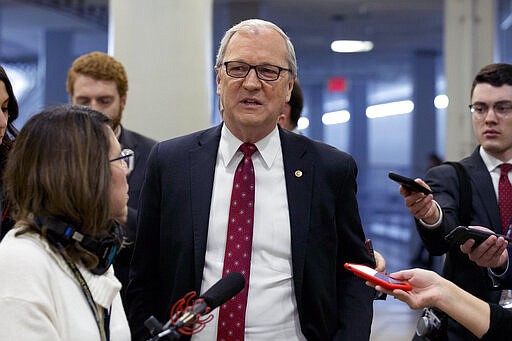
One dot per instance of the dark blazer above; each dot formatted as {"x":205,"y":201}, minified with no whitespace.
{"x":141,"y":145}
{"x":485,"y":212}
{"x":325,"y":230}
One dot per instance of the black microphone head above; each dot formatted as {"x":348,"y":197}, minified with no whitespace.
{"x":227,"y":287}
{"x":153,"y":325}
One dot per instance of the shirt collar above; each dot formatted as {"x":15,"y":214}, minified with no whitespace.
{"x":268,"y":147}
{"x":490,"y":161}
{"x":118,"y":134}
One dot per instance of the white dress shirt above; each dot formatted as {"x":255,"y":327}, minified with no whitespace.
{"x":271,"y":307}
{"x":492,"y":165}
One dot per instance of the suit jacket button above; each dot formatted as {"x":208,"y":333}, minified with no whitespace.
{"x":298,"y":173}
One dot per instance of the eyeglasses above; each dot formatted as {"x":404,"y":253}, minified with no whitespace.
{"x":501,"y":109}
{"x":127,"y":157}
{"x":264,"y":72}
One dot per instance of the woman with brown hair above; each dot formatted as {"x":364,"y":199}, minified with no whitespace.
{"x":65,"y":182}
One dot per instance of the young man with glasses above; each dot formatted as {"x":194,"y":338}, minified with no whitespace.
{"x":469,"y":266}
{"x":299,"y":223}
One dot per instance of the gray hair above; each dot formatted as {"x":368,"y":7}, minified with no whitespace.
{"x":253,"y":25}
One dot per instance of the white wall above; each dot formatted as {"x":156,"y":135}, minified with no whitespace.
{"x":166,"y":48}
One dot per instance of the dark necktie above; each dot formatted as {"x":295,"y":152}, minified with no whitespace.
{"x":237,"y":256}
{"x":505,"y":196}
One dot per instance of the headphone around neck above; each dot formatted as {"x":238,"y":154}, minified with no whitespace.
{"x":106,"y":246}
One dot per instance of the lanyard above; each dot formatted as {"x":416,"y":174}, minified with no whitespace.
{"x":102,"y":320}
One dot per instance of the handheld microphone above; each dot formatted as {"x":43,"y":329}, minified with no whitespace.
{"x":224,"y":289}
{"x":219,"y":293}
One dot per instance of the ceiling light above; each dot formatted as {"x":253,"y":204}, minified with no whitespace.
{"x":348,"y":46}
{"x":335,"y":117}
{"x":441,"y":102}
{"x":303,"y":123}
{"x":389,"y":109}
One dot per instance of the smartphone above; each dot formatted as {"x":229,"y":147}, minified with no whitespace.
{"x":461,"y":234}
{"x":376,"y":277}
{"x":409,"y":183}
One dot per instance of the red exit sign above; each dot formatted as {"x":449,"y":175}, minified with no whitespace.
{"x":337,"y":84}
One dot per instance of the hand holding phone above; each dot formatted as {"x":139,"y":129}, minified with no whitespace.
{"x":409,"y":183}
{"x":461,"y":234}
{"x":376,"y":277}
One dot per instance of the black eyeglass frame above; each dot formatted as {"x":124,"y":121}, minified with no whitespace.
{"x":255,"y":67}
{"x":126,"y":154}
{"x":505,"y":110}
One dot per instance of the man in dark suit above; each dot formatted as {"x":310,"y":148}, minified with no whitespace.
{"x":469,"y":266}
{"x":99,"y":81}
{"x":306,"y":223}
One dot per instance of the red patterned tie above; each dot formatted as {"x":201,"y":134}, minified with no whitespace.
{"x":505,"y":196}
{"x":238,"y":246}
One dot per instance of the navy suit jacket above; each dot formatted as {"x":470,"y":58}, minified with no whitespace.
{"x":141,"y":145}
{"x":485,"y":212}
{"x":326,"y":231}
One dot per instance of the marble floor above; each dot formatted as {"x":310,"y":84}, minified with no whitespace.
{"x":393,"y":321}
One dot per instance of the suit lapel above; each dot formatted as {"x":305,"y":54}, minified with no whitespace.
{"x":298,"y":172}
{"x":482,"y":182}
{"x":202,"y":170}
{"x":126,"y":140}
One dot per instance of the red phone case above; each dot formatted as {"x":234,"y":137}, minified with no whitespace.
{"x":376,"y":277}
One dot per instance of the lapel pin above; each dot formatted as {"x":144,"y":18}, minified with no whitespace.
{"x":298,"y":173}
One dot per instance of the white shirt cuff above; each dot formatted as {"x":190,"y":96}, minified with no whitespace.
{"x":437,"y":223}
{"x":502,"y":273}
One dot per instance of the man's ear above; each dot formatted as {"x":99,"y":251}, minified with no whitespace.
{"x":217,"y":78}
{"x":281,"y":119}
{"x":123,"y":102}
{"x":284,"y":119}
{"x":290,"y":88}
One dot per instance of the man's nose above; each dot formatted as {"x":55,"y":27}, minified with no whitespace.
{"x":94,"y":105}
{"x":252,"y":80}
